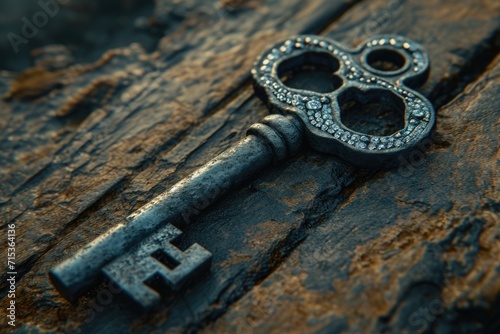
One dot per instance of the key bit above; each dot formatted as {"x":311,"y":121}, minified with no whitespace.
{"x":139,"y":251}
{"x":156,"y":259}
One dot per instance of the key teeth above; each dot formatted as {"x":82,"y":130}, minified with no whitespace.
{"x":284,"y":135}
{"x":136,"y":271}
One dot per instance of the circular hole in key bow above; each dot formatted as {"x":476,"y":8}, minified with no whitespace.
{"x":386,"y":60}
{"x":312,"y":71}
{"x":375,"y":112}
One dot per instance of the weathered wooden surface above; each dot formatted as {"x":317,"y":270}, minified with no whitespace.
{"x":309,"y":245}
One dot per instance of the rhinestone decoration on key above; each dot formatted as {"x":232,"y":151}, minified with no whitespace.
{"x":321,"y":111}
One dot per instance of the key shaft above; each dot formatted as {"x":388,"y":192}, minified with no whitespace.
{"x":274,"y":139}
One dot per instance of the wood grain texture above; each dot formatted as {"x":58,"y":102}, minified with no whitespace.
{"x":84,"y":146}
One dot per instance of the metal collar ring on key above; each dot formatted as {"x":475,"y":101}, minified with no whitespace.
{"x":321,"y":112}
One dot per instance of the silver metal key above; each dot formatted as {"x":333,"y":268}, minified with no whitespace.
{"x":139,"y":251}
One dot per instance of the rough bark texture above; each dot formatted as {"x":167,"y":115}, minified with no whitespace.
{"x":309,"y":245}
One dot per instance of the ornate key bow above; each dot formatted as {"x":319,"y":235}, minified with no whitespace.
{"x":358,"y":79}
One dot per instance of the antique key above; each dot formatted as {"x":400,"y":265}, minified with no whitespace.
{"x":139,"y":251}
